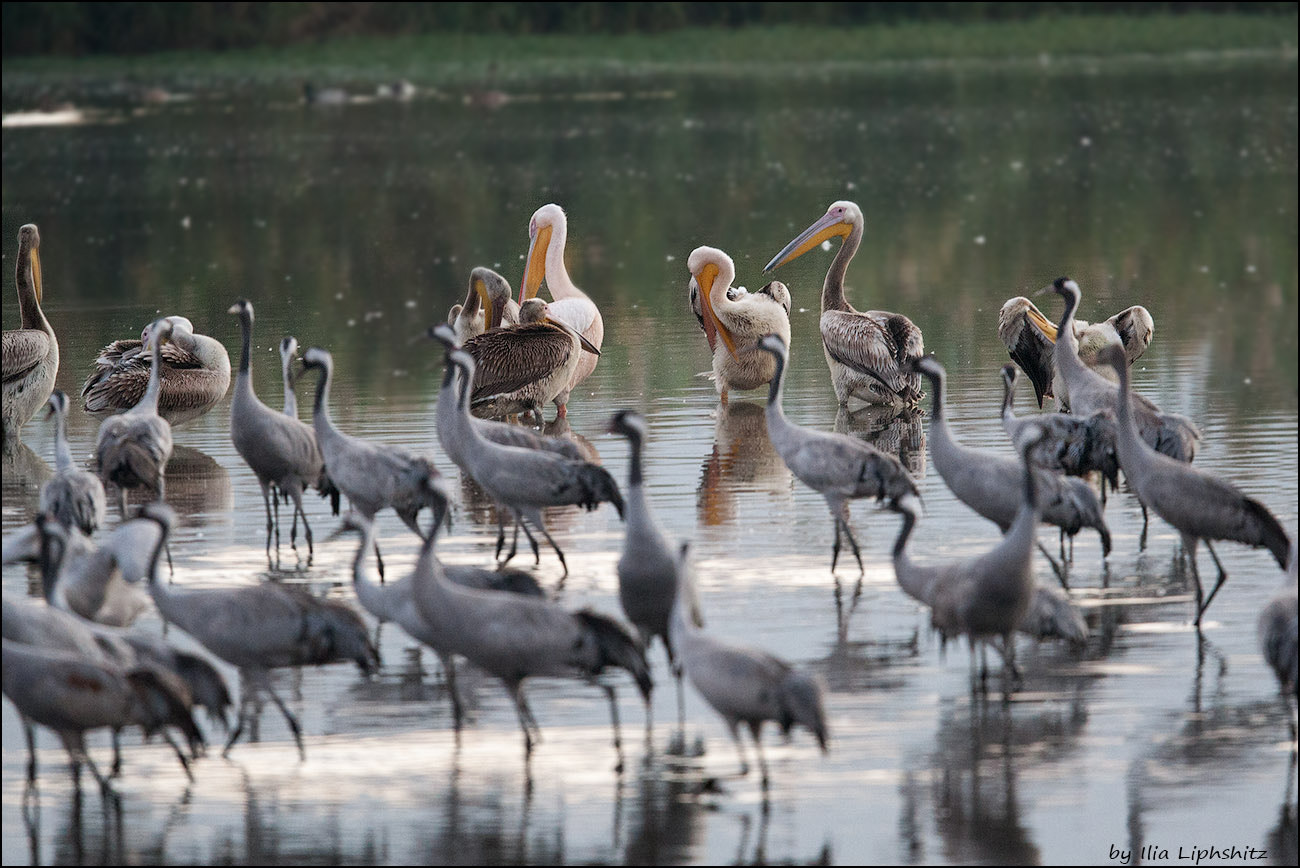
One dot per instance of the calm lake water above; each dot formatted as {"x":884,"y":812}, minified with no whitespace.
{"x":1167,"y":183}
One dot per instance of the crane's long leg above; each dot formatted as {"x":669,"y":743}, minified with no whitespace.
{"x":180,"y":755}
{"x":1146,"y":520}
{"x":457,"y":710}
{"x":734,"y":726}
{"x":1223,"y":577}
{"x":266,"y":502}
{"x":613,"y":717}
{"x":756,"y":729}
{"x":1189,"y":548}
{"x":843,"y":519}
{"x":835,"y":547}
{"x":117,"y":754}
{"x":306,"y":528}
{"x":30,"y":732}
{"x":525,"y":717}
{"x":241,"y":717}
{"x":559,"y":553}
{"x":288,"y":716}
{"x":1060,"y":571}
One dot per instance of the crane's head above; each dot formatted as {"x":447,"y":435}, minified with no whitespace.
{"x":772,"y":343}
{"x":58,"y":403}
{"x":630,"y":424}
{"x":242,"y":308}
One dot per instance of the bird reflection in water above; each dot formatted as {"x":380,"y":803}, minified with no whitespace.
{"x":743,"y":460}
{"x":893,"y":430}
{"x":23,"y":472}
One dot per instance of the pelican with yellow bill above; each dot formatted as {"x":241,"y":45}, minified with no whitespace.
{"x":1030,"y":337}
{"x":488,"y":304}
{"x":519,"y":369}
{"x":733,"y":320}
{"x":547,"y":233}
{"x":869,"y":353}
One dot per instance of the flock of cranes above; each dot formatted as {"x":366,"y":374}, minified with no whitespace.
{"x":73,"y":663}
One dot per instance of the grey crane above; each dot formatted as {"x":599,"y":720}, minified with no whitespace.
{"x":394,"y":601}
{"x":1199,"y":505}
{"x":288,"y":355}
{"x":133,"y":448}
{"x":985,"y":597}
{"x":988,"y":482}
{"x":101,"y":581}
{"x":741,"y":683}
{"x":839,"y":467}
{"x":1050,"y":614}
{"x":74,"y":496}
{"x":524,"y":480}
{"x":647,"y":567}
{"x":373,"y":476}
{"x":31,"y":353}
{"x":1167,"y":433}
{"x":1277,"y":629}
{"x":281,"y":450}
{"x":1075,"y":445}
{"x":72,"y":694}
{"x":260,"y":628}
{"x":516,"y":637}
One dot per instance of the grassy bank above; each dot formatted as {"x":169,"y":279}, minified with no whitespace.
{"x":451,"y":59}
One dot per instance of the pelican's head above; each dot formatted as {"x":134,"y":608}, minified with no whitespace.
{"x":58,"y":403}
{"x":630,"y":424}
{"x":243,"y":308}
{"x":1021,"y":306}
{"x":709,"y":266}
{"x":159,"y":332}
{"x":493,"y":292}
{"x":841,"y":220}
{"x":542,"y":227}
{"x":778,"y":292}
{"x":29,"y":237}
{"x":536,"y":310}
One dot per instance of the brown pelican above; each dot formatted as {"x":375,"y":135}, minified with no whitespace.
{"x":1201,"y":506}
{"x":488,"y":305}
{"x":522,"y":368}
{"x":738,"y":320}
{"x":742,"y":683}
{"x":31,"y":353}
{"x":133,"y":448}
{"x":1029,"y":338}
{"x":870,"y":353}
{"x":547,"y":231}
{"x":195,"y":375}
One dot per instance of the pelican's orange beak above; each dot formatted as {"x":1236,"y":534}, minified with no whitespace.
{"x":708,"y":274}
{"x":535,"y":269}
{"x":829,"y":226}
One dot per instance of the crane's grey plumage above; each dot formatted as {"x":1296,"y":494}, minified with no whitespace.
{"x":1050,"y":614}
{"x":515,"y":637}
{"x":195,"y":375}
{"x":839,"y":467}
{"x":101,"y":581}
{"x":260,"y":628}
{"x":394,"y":601}
{"x":869,"y":353}
{"x":521,"y":368}
{"x":73,"y":496}
{"x":548,"y":230}
{"x":986,"y":597}
{"x":1277,"y":628}
{"x":71,"y":695}
{"x":373,"y":476}
{"x":133,"y":448}
{"x":524,"y":480}
{"x":648,"y":566}
{"x":280,"y":450}
{"x":1029,"y":338}
{"x":1199,"y":505}
{"x":742,"y":683}
{"x":989,"y":482}
{"x":1090,"y":392}
{"x":30,"y":357}
{"x":288,"y":354}
{"x":488,"y":305}
{"x":738,"y":319}
{"x":1075,"y":445}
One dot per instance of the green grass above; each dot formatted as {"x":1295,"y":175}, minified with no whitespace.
{"x":448,"y":59}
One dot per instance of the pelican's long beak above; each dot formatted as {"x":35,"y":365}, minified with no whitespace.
{"x":708,"y":274}
{"x":535,"y":269}
{"x":36,"y":274}
{"x":586,"y":344}
{"x":481,"y":288}
{"x":827,"y":227}
{"x":1036,"y":317}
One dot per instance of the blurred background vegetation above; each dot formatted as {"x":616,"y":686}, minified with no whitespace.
{"x":78,"y":29}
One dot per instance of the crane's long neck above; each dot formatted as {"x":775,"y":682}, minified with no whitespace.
{"x":1066,"y":351}
{"x":681,"y":620}
{"x":62,"y":451}
{"x":833,"y":288}
{"x":51,"y":566}
{"x":1008,"y":398}
{"x":150,"y":400}
{"x":915,"y":581}
{"x":320,"y":416}
{"x":290,"y":396}
{"x":370,"y":593}
{"x":461,"y":419}
{"x":776,"y":393}
{"x":163,"y":596}
{"x":1130,"y":448}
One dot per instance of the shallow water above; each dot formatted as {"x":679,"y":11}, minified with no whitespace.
{"x":1168,"y":184}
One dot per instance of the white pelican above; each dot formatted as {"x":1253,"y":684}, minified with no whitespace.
{"x":870,"y":353}
{"x":547,"y":232}
{"x":1029,"y":337}
{"x":31,"y":353}
{"x":195,"y":375}
{"x":488,"y":305}
{"x":738,"y":319}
